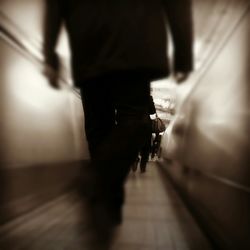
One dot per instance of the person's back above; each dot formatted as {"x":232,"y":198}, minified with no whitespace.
{"x":121,"y":35}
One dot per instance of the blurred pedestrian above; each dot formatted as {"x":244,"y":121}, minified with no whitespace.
{"x":117,"y":49}
{"x":144,"y":152}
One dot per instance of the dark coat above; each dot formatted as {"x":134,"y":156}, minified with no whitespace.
{"x":109,"y":36}
{"x":151,"y":106}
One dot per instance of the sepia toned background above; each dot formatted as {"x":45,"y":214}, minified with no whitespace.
{"x":204,"y":150}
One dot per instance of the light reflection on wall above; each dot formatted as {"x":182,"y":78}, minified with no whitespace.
{"x":214,"y":116}
{"x":31,"y":91}
{"x":36,"y":119}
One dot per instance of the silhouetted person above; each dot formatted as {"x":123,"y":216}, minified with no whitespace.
{"x":155,"y":145}
{"x":144,"y":152}
{"x":117,"y":48}
{"x":146,"y":149}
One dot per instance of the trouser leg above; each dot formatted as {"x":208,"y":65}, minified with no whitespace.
{"x":99,"y":113}
{"x":145,"y":152}
{"x":116,"y":122}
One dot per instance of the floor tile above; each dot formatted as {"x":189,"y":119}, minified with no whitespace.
{"x":154,"y":219}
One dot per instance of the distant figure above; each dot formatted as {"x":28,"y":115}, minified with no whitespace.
{"x":117,"y":49}
{"x":155,"y":147}
{"x":144,"y":153}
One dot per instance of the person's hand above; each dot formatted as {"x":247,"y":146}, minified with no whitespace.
{"x":180,"y":77}
{"x":52,"y":68}
{"x":53,"y":76}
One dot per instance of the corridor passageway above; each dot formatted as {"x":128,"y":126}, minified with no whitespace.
{"x":196,"y":196}
{"x":155,"y":218}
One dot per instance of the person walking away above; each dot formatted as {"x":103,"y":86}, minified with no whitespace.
{"x":117,"y":48}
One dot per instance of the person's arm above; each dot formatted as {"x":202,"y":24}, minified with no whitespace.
{"x":52,"y":24}
{"x":152,"y":109}
{"x":179,"y":15}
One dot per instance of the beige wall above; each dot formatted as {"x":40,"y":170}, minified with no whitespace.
{"x":209,"y":142}
{"x":39,"y":124}
{"x":42,"y":139}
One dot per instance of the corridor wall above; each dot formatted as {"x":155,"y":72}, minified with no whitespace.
{"x":206,"y":151}
{"x":43,"y":143}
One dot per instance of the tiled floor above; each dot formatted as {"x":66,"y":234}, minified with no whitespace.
{"x":154,"y":219}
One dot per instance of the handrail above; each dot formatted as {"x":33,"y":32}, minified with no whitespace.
{"x":24,"y":47}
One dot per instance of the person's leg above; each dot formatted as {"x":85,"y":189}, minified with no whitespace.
{"x":145,"y":153}
{"x":135,"y":164}
{"x":99,"y":112}
{"x":156,"y":144}
{"x":114,"y":147}
{"x":133,"y":124}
